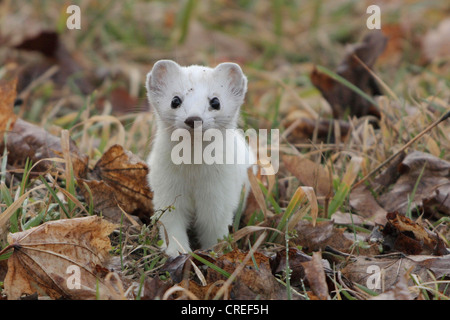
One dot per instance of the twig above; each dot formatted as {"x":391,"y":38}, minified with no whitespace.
{"x":253,"y":249}
{"x":444,"y":117}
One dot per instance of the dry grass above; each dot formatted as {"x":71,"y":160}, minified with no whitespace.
{"x":277,"y":43}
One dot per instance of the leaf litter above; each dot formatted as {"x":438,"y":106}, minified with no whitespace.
{"x":43,"y":255}
{"x":319,"y":257}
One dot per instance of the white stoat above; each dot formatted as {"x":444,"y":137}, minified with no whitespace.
{"x":204,"y":196}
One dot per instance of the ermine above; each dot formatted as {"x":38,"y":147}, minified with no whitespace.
{"x":204,"y":196}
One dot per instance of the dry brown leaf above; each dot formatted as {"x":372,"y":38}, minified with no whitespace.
{"x":399,"y":291}
{"x":363,"y":202}
{"x":340,"y":96}
{"x":319,"y":237}
{"x":154,"y":288}
{"x":346,"y":218}
{"x":325,"y":234}
{"x":26,"y":140}
{"x":433,"y":191}
{"x":309,"y":174}
{"x":403,"y":234}
{"x":119,"y":178}
{"x":43,"y":256}
{"x":381,"y":274}
{"x":305,"y":129}
{"x":254,"y":280}
{"x":315,"y":274}
{"x":296,"y":260}
{"x":8,"y":95}
{"x":54,"y":52}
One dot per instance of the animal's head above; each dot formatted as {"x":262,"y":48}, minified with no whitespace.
{"x":184,"y":97}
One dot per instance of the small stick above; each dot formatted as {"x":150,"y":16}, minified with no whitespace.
{"x":431,"y":126}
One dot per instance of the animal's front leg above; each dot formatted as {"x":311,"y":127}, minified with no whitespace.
{"x":212,"y":221}
{"x":174,"y":230}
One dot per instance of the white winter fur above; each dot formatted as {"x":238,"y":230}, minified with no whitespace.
{"x":205,"y":197}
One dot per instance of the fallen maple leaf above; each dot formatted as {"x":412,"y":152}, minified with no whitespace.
{"x":119,"y":178}
{"x":44,"y":258}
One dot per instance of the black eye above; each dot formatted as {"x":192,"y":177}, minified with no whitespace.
{"x":214,"y":103}
{"x":176,"y":102}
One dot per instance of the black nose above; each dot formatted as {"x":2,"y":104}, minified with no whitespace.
{"x":191,"y":121}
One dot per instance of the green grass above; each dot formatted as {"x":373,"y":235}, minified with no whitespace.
{"x":122,"y":40}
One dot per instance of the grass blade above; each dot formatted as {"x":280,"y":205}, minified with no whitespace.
{"x":347,"y":83}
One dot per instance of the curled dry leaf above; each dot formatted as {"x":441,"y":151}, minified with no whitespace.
{"x":119,"y":178}
{"x":46,"y":259}
{"x":177,"y":266}
{"x":27,"y":140}
{"x":403,"y":234}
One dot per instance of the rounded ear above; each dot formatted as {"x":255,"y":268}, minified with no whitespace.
{"x":232,"y":74}
{"x":160,"y":76}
